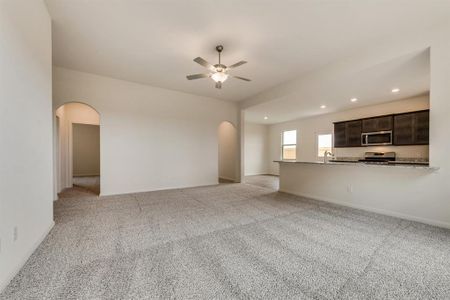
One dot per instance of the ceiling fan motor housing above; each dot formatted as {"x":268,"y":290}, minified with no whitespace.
{"x":220,"y":67}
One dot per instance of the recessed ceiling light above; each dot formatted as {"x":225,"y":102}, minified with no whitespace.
{"x":354,"y":99}
{"x":323,"y":106}
{"x":395,"y":90}
{"x":266,"y":117}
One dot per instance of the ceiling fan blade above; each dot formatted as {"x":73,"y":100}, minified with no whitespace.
{"x":204,"y":63}
{"x":237,"y":64}
{"x":241,"y":78}
{"x":197,"y":76}
{"x":218,"y":85}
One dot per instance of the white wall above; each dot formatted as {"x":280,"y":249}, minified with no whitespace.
{"x":25,"y":132}
{"x":256,"y":145}
{"x":307,"y":130}
{"x":69,"y":114}
{"x":414,"y":194}
{"x":150,"y":138}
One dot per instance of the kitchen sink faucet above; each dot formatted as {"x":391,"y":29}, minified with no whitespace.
{"x":325,"y":156}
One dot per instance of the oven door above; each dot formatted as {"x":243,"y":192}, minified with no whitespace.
{"x":376,"y":138}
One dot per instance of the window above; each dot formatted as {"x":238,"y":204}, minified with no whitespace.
{"x":289,"y":144}
{"x":324,"y":143}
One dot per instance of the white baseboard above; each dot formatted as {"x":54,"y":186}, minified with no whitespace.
{"x":227,"y":178}
{"x":159,"y":189}
{"x":25,"y":258}
{"x":256,"y":174}
{"x":372,"y":209}
{"x":86,"y":175}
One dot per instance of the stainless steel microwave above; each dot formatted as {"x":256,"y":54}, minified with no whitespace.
{"x":376,"y":138}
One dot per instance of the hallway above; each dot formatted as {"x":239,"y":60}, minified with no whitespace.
{"x":267,"y":181}
{"x":89,"y":183}
{"x":88,"y":186}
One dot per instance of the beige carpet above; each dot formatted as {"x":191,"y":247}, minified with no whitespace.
{"x":267,"y":181}
{"x":231,"y":241}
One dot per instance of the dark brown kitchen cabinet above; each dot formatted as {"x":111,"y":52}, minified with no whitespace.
{"x":404,"y":129}
{"x":412,"y":128}
{"x":353,"y":133}
{"x":347,"y":134}
{"x":340,"y":138}
{"x":377,"y":124}
{"x":422,"y":128}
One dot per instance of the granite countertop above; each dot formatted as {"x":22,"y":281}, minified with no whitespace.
{"x":397,"y":164}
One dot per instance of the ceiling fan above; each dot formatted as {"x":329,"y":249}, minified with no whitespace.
{"x":218,"y":72}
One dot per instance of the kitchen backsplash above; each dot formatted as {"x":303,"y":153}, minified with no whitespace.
{"x":419,"y":153}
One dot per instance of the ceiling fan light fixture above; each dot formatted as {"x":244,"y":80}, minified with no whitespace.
{"x":217,"y":72}
{"x":219,"y":76}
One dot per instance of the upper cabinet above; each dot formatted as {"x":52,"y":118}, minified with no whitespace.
{"x":340,"y":136}
{"x":353,"y":132}
{"x":404,"y":129}
{"x":383,"y":123}
{"x":422,"y":128}
{"x":347,"y":134}
{"x":410,"y":128}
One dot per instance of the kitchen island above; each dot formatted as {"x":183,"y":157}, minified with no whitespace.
{"x":391,"y":189}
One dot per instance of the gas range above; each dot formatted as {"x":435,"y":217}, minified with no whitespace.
{"x":382,"y":158}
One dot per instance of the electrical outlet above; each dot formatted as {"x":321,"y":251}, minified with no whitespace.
{"x":15,"y":233}
{"x":350,"y":188}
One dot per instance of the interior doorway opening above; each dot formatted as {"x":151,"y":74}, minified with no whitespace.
{"x":228,"y":152}
{"x":259,"y":150}
{"x":77,"y":149}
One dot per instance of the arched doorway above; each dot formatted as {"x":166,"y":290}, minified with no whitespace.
{"x":228,"y":152}
{"x":77,"y":148}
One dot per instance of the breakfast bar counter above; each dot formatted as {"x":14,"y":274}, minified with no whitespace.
{"x":391,"y":189}
{"x":356,"y":163}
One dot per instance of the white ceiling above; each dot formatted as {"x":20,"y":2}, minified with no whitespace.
{"x":154,"y":42}
{"x":410,"y":73}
